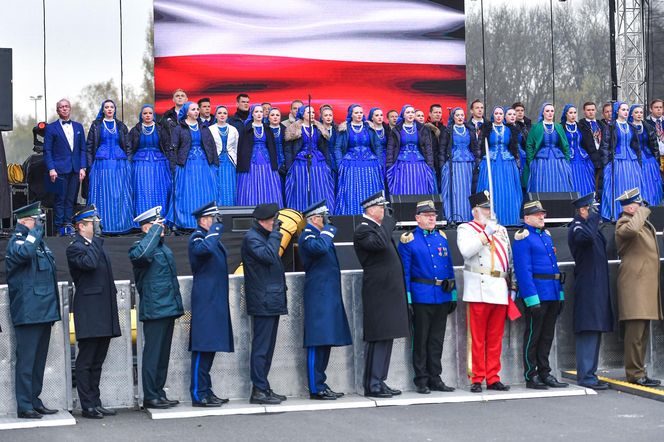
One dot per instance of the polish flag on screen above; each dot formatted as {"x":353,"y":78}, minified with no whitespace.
{"x":371,"y":52}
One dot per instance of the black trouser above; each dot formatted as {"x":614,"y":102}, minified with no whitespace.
{"x":430,"y":321}
{"x":262,"y":349}
{"x":376,"y":364}
{"x":90,"y":358}
{"x":66,"y":198}
{"x":31,"y":351}
{"x":158,"y":334}
{"x":317,"y":360}
{"x":538,"y":338}
{"x":201,"y":383}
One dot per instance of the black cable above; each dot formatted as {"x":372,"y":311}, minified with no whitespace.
{"x":44,"y":28}
{"x":553,"y":61}
{"x":483,"y":52}
{"x":121,"y":67}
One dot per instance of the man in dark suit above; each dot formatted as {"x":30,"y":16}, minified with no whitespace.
{"x":95,"y":308}
{"x":265,"y":293}
{"x":170,"y":118}
{"x":65,"y":158}
{"x":34,"y":305}
{"x":384,"y":303}
{"x":241,"y":112}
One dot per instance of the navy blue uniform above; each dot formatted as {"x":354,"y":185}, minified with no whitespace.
{"x":536,"y":267}
{"x":593,"y":314}
{"x":426,"y":259}
{"x":34,"y":305}
{"x":325,"y":321}
{"x":211,"y":329}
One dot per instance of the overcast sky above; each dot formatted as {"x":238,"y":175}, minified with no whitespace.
{"x":82,"y":46}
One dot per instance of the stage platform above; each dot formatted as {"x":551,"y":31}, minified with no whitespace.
{"x":61,"y":418}
{"x":185,"y":410}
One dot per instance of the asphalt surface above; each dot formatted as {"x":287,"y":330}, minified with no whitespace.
{"x":608,"y":416}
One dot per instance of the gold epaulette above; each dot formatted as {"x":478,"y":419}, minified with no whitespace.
{"x":407,"y":237}
{"x":520,"y":234}
{"x":442,"y":233}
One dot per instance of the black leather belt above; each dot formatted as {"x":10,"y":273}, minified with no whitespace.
{"x":550,"y":276}
{"x":446,"y":284}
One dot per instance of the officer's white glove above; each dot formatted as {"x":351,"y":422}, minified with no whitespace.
{"x":491,"y":227}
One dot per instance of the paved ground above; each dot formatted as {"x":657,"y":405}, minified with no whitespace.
{"x":608,"y":416}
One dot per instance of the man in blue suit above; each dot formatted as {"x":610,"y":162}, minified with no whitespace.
{"x":64,"y":154}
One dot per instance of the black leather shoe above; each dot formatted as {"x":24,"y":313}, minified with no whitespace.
{"x":597,"y":386}
{"x":422,"y":389}
{"x":378,"y":393}
{"x":263,"y":397}
{"x":336,"y":393}
{"x":392,"y":391}
{"x":498,"y":386}
{"x":536,"y":383}
{"x":476,"y":387}
{"x":206,"y":402}
{"x":281,"y":397}
{"x":156,"y":403}
{"x":171,"y":403}
{"x":91,"y":413}
{"x":219,"y":399}
{"x":106,"y":411}
{"x":44,"y":410}
{"x":647,"y":382}
{"x":325,"y":395}
{"x":440,"y":386}
{"x":29,"y":414}
{"x":552,"y":382}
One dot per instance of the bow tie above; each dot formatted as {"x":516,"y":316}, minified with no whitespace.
{"x":66,"y":122}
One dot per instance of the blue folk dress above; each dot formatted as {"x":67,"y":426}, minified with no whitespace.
{"x":360,"y":172}
{"x":152,"y":173}
{"x":261,"y":184}
{"x":507,"y":194}
{"x":627,"y":172}
{"x":651,"y":182}
{"x":111,"y":187}
{"x":549,"y":170}
{"x":226,"y":175}
{"x":456,"y":204}
{"x":195,"y":183}
{"x":410,"y":174}
{"x":583,"y":171}
{"x":304,"y":185}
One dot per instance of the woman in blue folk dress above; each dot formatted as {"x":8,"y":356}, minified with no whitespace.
{"x":651,"y":183}
{"x":111,"y":189}
{"x":309,"y":178}
{"x":225,"y":138}
{"x":504,"y":156}
{"x":409,"y":157}
{"x":583,"y":171}
{"x":621,"y":156}
{"x":379,"y":132}
{"x":196,"y":167}
{"x":151,"y":154}
{"x":360,"y":173}
{"x":547,"y":164}
{"x":258,"y":179}
{"x":458,"y":148}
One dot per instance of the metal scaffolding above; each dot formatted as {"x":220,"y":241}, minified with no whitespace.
{"x":630,"y":46}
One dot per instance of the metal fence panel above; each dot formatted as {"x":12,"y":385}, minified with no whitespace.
{"x":56,"y":391}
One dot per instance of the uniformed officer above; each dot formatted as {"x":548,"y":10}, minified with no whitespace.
{"x":265,"y":294}
{"x":160,"y":304}
{"x":431,"y":292}
{"x":487,"y":278}
{"x":593,"y":314}
{"x":34,"y":305}
{"x":95,"y":308}
{"x":325,"y":321}
{"x":639,"y":292}
{"x":211,"y":329}
{"x":540,"y":287}
{"x":385,"y":310}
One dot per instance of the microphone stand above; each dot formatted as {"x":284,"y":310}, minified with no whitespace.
{"x":612,"y":151}
{"x":451,"y":222}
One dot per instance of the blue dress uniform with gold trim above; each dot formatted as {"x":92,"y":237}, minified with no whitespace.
{"x":429,"y":276}
{"x":540,"y":287}
{"x":325,"y":321}
{"x":34,"y":307}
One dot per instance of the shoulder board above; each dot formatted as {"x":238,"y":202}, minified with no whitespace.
{"x":442,"y":233}
{"x":521,"y":234}
{"x":307,"y":230}
{"x":577,"y":222}
{"x":364,"y":224}
{"x":407,"y":237}
{"x":18,"y":234}
{"x":547,"y":232}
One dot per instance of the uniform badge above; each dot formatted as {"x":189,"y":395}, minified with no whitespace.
{"x":442,"y":251}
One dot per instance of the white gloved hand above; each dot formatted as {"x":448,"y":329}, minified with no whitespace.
{"x":491,"y":227}
{"x":513,"y":294}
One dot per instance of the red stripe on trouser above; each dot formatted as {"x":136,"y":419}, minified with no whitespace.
{"x":487,"y":324}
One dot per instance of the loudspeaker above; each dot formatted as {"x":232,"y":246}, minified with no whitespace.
{"x":404,"y":205}
{"x":557,"y":204}
{"x":237,"y":218}
{"x":6,"y":100}
{"x":656,"y":217}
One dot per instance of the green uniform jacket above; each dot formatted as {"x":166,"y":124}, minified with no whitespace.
{"x":534,"y":142}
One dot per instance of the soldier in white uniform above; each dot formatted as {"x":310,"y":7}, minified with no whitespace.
{"x":487,"y":280}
